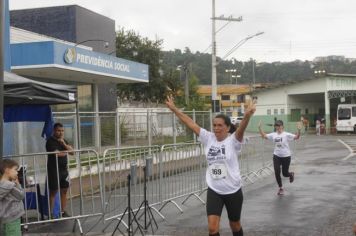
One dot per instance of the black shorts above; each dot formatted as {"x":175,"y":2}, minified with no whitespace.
{"x":53,"y":180}
{"x":233,"y":203}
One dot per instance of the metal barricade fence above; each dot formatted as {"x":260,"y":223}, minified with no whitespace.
{"x":255,"y":158}
{"x":98,"y":187}
{"x":183,"y":172}
{"x":117,"y":165}
{"x":127,"y":127}
{"x":84,"y":193}
{"x":172,"y":171}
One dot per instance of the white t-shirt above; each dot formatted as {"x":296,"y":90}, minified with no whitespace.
{"x":281,"y":145}
{"x":223,"y":172}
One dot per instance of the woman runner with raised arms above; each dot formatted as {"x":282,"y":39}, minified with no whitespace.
{"x":223,"y":172}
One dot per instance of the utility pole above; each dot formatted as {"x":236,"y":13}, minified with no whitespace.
{"x":253,"y":74}
{"x":215,"y":103}
{"x":2,"y":33}
{"x":186,"y":85}
{"x":185,"y":69}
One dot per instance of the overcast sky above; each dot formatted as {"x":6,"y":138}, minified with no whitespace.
{"x":293,"y":29}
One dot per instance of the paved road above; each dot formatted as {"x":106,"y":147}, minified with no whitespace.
{"x":321,"y":201}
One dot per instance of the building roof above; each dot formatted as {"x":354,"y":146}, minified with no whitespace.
{"x":225,"y":89}
{"x":230,"y":88}
{"x":282,"y":84}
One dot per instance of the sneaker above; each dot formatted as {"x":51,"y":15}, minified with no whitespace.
{"x":65,"y":214}
{"x":280,"y":191}
{"x":291,"y":177}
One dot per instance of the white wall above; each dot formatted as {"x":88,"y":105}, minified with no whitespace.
{"x":341,"y":83}
{"x":279,"y":97}
{"x":317,"y":85}
{"x":23,"y":36}
{"x":271,"y":99}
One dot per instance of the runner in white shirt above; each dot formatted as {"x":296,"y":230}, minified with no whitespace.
{"x":223,"y":172}
{"x":281,"y":153}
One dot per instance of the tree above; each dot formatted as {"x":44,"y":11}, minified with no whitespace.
{"x":130,"y":45}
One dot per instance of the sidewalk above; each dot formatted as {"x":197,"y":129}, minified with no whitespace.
{"x":321,"y":201}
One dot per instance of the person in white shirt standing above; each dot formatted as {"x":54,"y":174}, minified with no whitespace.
{"x":282,"y":153}
{"x":223,"y":172}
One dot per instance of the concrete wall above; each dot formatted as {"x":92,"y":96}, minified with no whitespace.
{"x":57,"y":22}
{"x":90,"y":25}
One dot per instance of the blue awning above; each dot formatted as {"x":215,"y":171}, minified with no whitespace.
{"x":58,"y":61}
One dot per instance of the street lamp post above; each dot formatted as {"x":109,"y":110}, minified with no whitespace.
{"x":230,"y":71}
{"x":253,"y":74}
{"x":214,"y":101}
{"x":106,"y":43}
{"x":319,"y":72}
{"x":236,"y":77}
{"x":186,"y":81}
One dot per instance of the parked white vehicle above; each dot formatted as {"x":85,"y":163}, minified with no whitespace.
{"x":346,"y":118}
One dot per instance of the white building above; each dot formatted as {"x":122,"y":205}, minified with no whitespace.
{"x":312,"y":98}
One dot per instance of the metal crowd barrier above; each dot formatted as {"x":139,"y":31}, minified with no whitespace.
{"x":255,"y":158}
{"x":84,"y":195}
{"x":183,"y":173}
{"x":173,"y":171}
{"x":98,"y":187}
{"x":118,"y":163}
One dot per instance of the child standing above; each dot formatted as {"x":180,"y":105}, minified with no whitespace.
{"x":11,"y":196}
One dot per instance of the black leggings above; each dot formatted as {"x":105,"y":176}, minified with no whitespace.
{"x":233,"y":203}
{"x":277,"y":163}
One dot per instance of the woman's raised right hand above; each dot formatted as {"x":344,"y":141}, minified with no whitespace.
{"x":170,"y":102}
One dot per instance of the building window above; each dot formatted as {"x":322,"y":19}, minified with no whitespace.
{"x":353,"y":111}
{"x":268,"y":111}
{"x":225,"y":97}
{"x":282,"y":111}
{"x":240,"y":98}
{"x":85,"y":100}
{"x":295,"y":115}
{"x":275,"y":111}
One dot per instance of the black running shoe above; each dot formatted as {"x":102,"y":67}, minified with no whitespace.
{"x":291,"y":177}
{"x":65,"y":214}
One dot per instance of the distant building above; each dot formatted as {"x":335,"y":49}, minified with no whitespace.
{"x":74,"y":24}
{"x":232,"y":97}
{"x":329,"y":58}
{"x":312,"y":98}
{"x":67,"y":45}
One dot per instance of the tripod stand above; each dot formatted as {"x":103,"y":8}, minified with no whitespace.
{"x":129,"y":211}
{"x":146,"y":207}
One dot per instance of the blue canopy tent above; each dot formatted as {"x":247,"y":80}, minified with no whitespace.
{"x":30,"y":100}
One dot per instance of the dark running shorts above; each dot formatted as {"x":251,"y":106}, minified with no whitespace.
{"x":53,"y":180}
{"x":232,"y":202}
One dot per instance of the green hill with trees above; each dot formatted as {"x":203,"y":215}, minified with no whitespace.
{"x":167,"y":69}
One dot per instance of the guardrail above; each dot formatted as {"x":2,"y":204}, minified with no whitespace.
{"x":99,"y":186}
{"x":84,"y":193}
